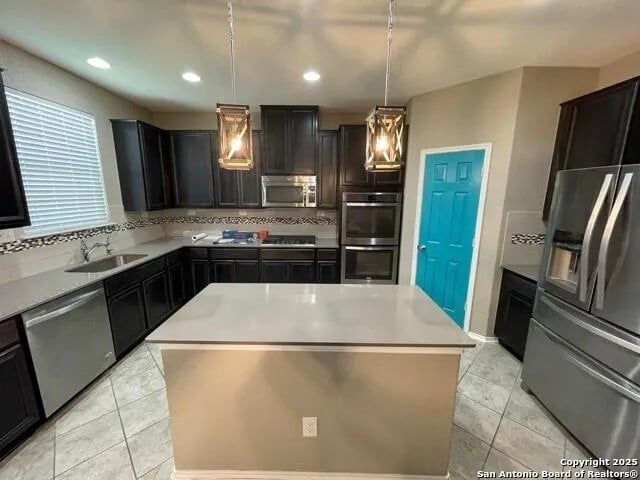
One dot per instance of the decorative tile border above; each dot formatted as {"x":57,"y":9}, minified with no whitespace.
{"x":47,"y":240}
{"x":527,"y":238}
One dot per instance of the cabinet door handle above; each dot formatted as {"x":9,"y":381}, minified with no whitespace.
{"x":422,"y":248}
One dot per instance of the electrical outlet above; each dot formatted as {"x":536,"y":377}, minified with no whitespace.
{"x":191,"y":213}
{"x":242,"y":213}
{"x":322,"y":213}
{"x":309,"y":426}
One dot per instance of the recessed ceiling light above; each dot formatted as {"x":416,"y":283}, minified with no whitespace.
{"x":98,"y":63}
{"x":311,"y":76}
{"x":191,"y":77}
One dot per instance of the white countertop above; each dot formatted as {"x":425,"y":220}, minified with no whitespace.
{"x":312,"y":314}
{"x":29,"y":292}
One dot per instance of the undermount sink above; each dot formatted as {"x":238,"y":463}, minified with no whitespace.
{"x":106,"y":263}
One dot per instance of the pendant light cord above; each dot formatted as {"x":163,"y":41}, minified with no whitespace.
{"x":233,"y":60}
{"x":389,"y":35}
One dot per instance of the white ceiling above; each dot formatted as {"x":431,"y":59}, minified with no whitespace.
{"x":436,"y":43}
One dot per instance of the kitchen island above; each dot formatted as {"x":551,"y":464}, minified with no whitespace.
{"x":375,"y":365}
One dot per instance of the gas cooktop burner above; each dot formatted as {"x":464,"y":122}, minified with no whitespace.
{"x":289,"y":240}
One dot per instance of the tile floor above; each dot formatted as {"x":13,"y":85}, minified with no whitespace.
{"x":119,"y":428}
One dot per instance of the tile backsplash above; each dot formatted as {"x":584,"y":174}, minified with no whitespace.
{"x":28,"y":256}
{"x":523,"y":238}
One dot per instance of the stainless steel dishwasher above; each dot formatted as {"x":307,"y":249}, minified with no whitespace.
{"x":70,"y":342}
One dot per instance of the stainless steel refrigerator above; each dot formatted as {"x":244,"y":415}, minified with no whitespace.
{"x":582,"y":358}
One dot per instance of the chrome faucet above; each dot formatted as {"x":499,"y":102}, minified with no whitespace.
{"x":86,"y":250}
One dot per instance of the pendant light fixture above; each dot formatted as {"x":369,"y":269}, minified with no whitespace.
{"x":234,"y":122}
{"x":385,"y":124}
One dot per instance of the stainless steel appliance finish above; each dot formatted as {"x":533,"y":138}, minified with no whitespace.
{"x":581,"y":204}
{"x":582,"y":358}
{"x":371,"y":218}
{"x":369,"y":264}
{"x":107,"y":263}
{"x":70,"y":343}
{"x":289,"y":191}
{"x":614,"y":347}
{"x":598,"y":406}
{"x":299,"y":240}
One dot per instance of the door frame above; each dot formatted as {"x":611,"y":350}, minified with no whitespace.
{"x":484,"y":181}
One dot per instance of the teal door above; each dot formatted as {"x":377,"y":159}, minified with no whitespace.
{"x":450,"y":196}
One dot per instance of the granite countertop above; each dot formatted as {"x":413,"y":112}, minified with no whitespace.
{"x":29,"y":292}
{"x":312,"y":314}
{"x":527,"y":271}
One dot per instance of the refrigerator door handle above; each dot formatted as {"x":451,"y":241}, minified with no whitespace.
{"x":588,"y":234}
{"x":632,"y":347}
{"x":592,"y":369}
{"x":606,"y":238}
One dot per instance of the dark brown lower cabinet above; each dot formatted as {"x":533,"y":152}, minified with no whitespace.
{"x":302,"y":272}
{"x":328,"y":272}
{"x":235,"y":271}
{"x":515,"y":307}
{"x":200,"y":274}
{"x":247,"y":271}
{"x":128,"y":319}
{"x":287,"y":272}
{"x":157,"y":300}
{"x":274,"y":272}
{"x":19,"y":412}
{"x":178,"y":286}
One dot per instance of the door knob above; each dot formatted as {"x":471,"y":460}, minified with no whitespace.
{"x":422,"y":248}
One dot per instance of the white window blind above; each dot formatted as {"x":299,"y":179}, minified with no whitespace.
{"x":60,"y":164}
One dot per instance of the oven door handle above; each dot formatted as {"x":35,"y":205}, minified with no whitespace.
{"x":370,"y":204}
{"x":370,"y":248}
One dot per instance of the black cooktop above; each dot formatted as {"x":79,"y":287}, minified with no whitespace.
{"x":290,"y":240}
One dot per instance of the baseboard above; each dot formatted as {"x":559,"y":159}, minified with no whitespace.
{"x":482,"y":338}
{"x":268,"y":475}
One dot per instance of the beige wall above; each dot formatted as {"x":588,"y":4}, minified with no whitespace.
{"x":619,"y":70}
{"x":517,"y":112}
{"x":542,"y":91}
{"x":482,"y":111}
{"x":35,"y":76}
{"x":370,"y":419}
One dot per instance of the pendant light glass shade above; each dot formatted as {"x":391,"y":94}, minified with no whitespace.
{"x":385,"y":131}
{"x":234,"y":131}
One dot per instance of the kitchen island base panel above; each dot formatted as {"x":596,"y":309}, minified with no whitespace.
{"x":380,"y":414}
{"x":242,"y":475}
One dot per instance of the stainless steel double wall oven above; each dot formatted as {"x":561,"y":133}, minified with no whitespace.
{"x":370,"y":236}
{"x":582,"y":358}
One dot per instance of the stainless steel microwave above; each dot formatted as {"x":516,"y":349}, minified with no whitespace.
{"x":288,"y":191}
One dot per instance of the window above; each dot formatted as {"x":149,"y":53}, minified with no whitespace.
{"x":60,"y":164}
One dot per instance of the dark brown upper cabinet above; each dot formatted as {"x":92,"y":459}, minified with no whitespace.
{"x":290,"y":134}
{"x":13,"y":205}
{"x":240,"y":188}
{"x":143,"y":165}
{"x":353,"y":144}
{"x":327,"y":168}
{"x":193,"y":156}
{"x":596,"y":130}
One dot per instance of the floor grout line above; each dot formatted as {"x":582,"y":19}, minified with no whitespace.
{"x":55,"y":430}
{"x":92,"y":456}
{"x":84,"y":424}
{"x":124,"y":434}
